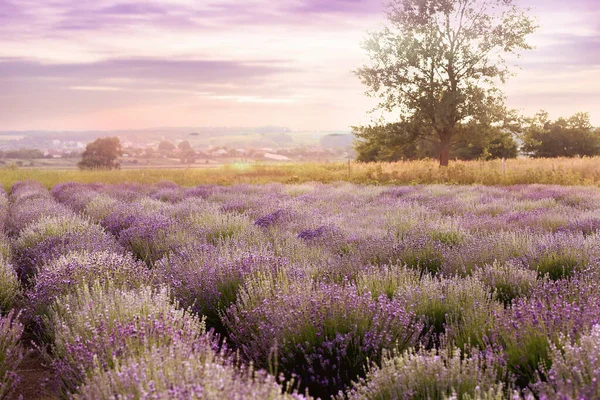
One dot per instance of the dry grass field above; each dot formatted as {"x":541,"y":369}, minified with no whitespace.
{"x":561,"y":171}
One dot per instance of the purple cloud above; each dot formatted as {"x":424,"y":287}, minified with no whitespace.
{"x":355,"y":7}
{"x":177,"y":71}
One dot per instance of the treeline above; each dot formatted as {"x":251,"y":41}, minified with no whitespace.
{"x":535,"y":137}
{"x":24,"y":154}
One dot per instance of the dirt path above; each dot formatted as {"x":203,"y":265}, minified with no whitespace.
{"x":35,"y":376}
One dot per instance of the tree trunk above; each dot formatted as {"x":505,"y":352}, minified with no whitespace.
{"x":445,"y":153}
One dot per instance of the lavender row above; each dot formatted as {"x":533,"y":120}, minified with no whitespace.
{"x":11,"y":330}
{"x":317,"y":281}
{"x":98,"y":309}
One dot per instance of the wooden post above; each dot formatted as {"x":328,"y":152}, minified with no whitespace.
{"x":348,"y":168}
{"x":503,"y":166}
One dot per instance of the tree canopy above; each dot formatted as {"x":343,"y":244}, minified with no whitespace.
{"x":166,"y":147}
{"x":394,"y":142}
{"x":102,"y":154}
{"x":438,"y":65}
{"x":565,"y":137}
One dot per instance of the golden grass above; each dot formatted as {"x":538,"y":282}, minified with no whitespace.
{"x":561,"y":171}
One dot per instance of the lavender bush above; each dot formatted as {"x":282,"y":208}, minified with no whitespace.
{"x":507,"y":281}
{"x":10,"y":289}
{"x":434,"y":374}
{"x":207,"y":278}
{"x":61,"y":275}
{"x":51,"y":237}
{"x":180,"y":372}
{"x":323,"y":334}
{"x":11,"y":353}
{"x":99,"y":326}
{"x":575,"y":372}
{"x":528,"y":329}
{"x":458,"y":307}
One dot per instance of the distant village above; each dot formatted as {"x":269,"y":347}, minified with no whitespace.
{"x":31,"y":148}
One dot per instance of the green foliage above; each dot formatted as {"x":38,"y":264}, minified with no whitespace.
{"x":459,"y":307}
{"x":401,"y":141}
{"x":390,"y":142}
{"x":526,"y":356}
{"x":10,"y":288}
{"x":570,"y":137}
{"x":438,"y":64}
{"x":101,"y":154}
{"x":434,"y":374}
{"x":11,"y":354}
{"x":22,"y":153}
{"x":507,"y":281}
{"x":166,"y":147}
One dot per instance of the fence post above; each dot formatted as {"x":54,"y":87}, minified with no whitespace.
{"x":503,"y":166}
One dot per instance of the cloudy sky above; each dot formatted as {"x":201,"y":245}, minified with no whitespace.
{"x":119,"y":64}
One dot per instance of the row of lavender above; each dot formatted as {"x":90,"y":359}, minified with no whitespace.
{"x":104,"y":324}
{"x":11,"y":330}
{"x":439,"y":291}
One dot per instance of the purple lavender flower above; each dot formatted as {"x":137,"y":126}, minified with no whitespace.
{"x":52,"y":237}
{"x":321,"y":333}
{"x":11,"y":354}
{"x":61,"y":275}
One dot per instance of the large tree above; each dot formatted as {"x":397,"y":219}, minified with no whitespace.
{"x":102,"y":154}
{"x":438,"y":64}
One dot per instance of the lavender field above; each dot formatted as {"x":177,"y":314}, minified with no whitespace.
{"x":301,"y":291}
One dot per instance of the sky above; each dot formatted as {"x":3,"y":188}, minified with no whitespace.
{"x":121,"y":64}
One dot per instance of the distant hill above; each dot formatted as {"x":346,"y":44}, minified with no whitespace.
{"x":199,"y":137}
{"x":337,"y":141}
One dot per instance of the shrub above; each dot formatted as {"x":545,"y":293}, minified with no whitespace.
{"x":216,"y":227}
{"x":575,"y":369}
{"x":3,"y":208}
{"x":27,"y":189}
{"x":61,"y":275}
{"x":100,"y":207}
{"x":5,"y":250}
{"x":433,"y":374}
{"x":324,"y":334}
{"x":207,"y":278}
{"x":100,"y":325}
{"x":179,"y":372}
{"x":386,"y":280}
{"x":421,"y":253}
{"x":527,"y":330}
{"x":457,"y":307}
{"x":152,"y":237}
{"x":28,"y":212}
{"x":11,"y":353}
{"x":76,"y":196}
{"x":53,"y":236}
{"x":559,"y":256}
{"x":10,"y":288}
{"x":507,"y":281}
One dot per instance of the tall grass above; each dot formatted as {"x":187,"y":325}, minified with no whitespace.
{"x":563,"y":171}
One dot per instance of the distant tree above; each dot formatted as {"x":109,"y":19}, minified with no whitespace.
{"x":166,"y":147}
{"x":438,"y":65}
{"x":184,"y":146}
{"x":101,"y":154}
{"x":188,"y":157}
{"x":570,"y":137}
{"x":149,"y":152}
{"x":22,"y":153}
